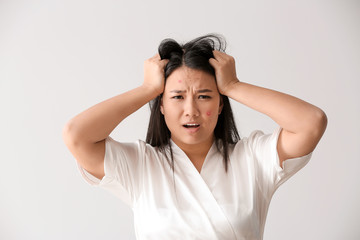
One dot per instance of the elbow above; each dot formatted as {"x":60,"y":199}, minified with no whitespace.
{"x":323,"y":120}
{"x":69,"y":135}
{"x":319,"y":123}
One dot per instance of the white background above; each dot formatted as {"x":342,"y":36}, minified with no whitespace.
{"x":57,"y":58}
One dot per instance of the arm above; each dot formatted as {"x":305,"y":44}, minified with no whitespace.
{"x":85,"y":134}
{"x":303,"y":124}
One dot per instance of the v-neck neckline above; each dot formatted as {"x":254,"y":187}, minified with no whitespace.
{"x":201,"y":184}
{"x":178,"y":151}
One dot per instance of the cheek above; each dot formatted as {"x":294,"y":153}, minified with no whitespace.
{"x":211,"y":115}
{"x":171,"y":113}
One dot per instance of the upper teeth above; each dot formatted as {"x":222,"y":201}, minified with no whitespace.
{"x":192,"y":124}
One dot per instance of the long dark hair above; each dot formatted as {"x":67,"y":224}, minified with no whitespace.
{"x":194,"y":54}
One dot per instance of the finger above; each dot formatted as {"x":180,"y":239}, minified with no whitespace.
{"x":163,"y":62}
{"x":219,"y":55}
{"x":213,"y":62}
{"x":156,"y":56}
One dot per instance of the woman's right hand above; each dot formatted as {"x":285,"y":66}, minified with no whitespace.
{"x":154,"y":75}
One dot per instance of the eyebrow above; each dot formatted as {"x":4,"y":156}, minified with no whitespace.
{"x":198,"y":91}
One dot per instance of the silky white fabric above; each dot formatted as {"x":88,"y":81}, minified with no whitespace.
{"x":209,"y":205}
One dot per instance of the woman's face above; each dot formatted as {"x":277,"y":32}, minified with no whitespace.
{"x":191,"y":105}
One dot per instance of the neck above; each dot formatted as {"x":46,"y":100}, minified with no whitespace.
{"x":196,"y":151}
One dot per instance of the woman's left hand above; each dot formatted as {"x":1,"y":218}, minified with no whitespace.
{"x":225,"y":71}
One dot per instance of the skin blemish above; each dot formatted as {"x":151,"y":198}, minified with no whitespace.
{"x":208,"y":113}
{"x":180,"y":81}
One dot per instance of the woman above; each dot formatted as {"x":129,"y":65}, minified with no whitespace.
{"x":223,"y":184}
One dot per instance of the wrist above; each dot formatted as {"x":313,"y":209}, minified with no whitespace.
{"x":230,"y":87}
{"x":150,"y":90}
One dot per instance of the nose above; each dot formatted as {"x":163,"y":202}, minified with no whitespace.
{"x":191,"y":108}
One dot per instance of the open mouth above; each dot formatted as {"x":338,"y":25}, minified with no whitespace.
{"x":191,"y":125}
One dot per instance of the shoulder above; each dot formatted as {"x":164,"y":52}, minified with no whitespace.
{"x":258,"y":138}
{"x":249,"y":139}
{"x":140,"y":144}
{"x":138,"y":148}
{"x":256,"y":141}
{"x":253,"y":136}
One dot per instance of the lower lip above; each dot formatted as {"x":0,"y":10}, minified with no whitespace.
{"x":192,"y":130}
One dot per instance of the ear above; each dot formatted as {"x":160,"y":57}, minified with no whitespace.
{"x":221,"y":104}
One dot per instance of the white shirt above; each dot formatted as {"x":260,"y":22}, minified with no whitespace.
{"x":206,"y":205}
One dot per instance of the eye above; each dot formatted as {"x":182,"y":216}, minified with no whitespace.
{"x":204,"y":97}
{"x":177,"y":97}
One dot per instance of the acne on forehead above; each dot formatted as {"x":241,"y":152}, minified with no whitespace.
{"x":189,"y":76}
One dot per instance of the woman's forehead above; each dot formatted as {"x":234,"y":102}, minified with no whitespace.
{"x":185,"y":77}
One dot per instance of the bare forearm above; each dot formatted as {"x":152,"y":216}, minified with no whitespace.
{"x":291,"y":113}
{"x":97,"y":122}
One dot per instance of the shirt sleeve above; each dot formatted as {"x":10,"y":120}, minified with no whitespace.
{"x":121,"y":166}
{"x":269,"y":174}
